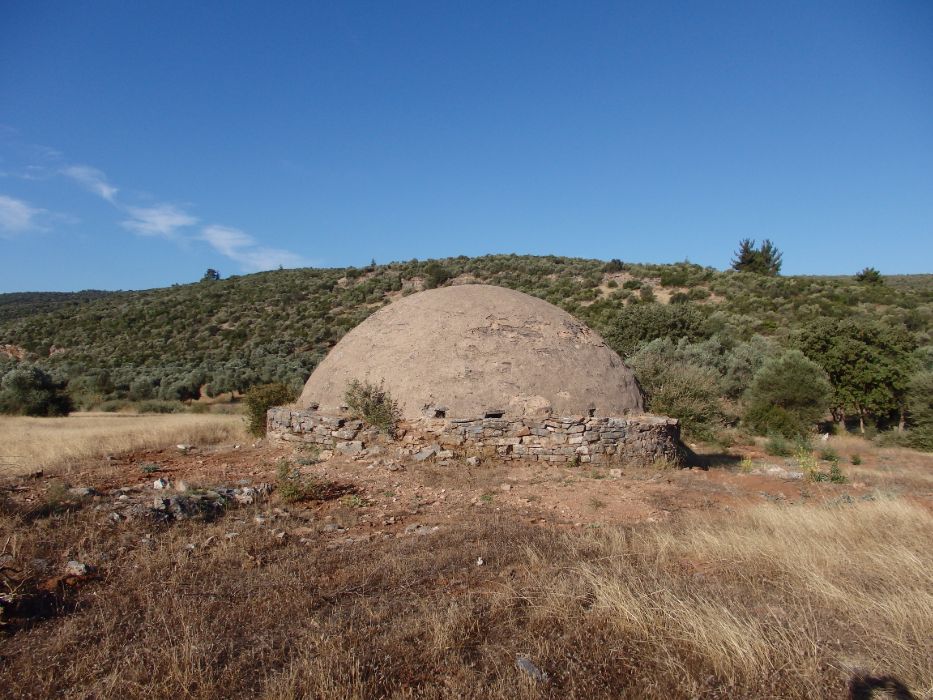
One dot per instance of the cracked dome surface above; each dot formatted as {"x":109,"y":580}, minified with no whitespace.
{"x":470,"y":351}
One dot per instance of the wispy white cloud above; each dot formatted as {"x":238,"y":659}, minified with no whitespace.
{"x":161,"y":220}
{"x":92,"y":179}
{"x":242,"y":248}
{"x":16,"y":216}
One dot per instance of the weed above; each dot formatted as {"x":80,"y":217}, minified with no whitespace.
{"x":149,"y":468}
{"x":352,"y":500}
{"x":828,"y":454}
{"x":487,"y":498}
{"x":856,"y":459}
{"x":746,"y":465}
{"x":292,"y":485}
{"x":374,"y":405}
{"x":835,"y":474}
{"x":259,"y":399}
{"x":663,"y":464}
{"x":778,"y":446}
{"x":597,"y":504}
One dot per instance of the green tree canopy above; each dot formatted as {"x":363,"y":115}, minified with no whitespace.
{"x":764,"y":260}
{"x":788,"y":395}
{"x":869,"y":364}
{"x":30,"y":391}
{"x":869,"y":275}
{"x":641,"y":323}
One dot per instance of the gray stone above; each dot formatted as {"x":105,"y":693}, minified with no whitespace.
{"x":82,"y":492}
{"x":76,"y":568}
{"x":426,"y":453}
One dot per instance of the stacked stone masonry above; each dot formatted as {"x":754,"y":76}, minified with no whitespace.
{"x":641,"y":439}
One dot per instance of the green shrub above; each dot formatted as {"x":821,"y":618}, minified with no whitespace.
{"x":641,"y":323}
{"x":435,"y":275}
{"x":856,"y":459}
{"x":788,"y":395}
{"x":292,"y":486}
{"x":828,"y":454}
{"x":679,"y":389}
{"x":30,"y":391}
{"x":920,"y":403}
{"x":614,"y":265}
{"x":835,"y":474}
{"x":112,"y":406}
{"x":778,"y":446}
{"x":374,"y":405}
{"x":259,"y":399}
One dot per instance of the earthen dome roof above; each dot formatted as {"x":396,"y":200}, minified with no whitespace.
{"x":473,"y":350}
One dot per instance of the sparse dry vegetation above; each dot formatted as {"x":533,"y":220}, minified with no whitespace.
{"x":27,"y":444}
{"x":799,"y":599}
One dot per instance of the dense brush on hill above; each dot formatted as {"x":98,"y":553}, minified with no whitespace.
{"x":223,"y":335}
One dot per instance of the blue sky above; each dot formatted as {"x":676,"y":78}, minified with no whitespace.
{"x":143,"y":142}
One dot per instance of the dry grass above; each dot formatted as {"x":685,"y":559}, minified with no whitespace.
{"x":773,"y":602}
{"x":791,"y":600}
{"x":27,"y":444}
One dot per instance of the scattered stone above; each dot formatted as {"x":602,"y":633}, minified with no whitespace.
{"x":160,"y":484}
{"x":480,"y":561}
{"x":181,"y":486}
{"x":184,"y":448}
{"x":76,"y":568}
{"x":231,"y":535}
{"x":82,"y":492}
{"x":472,"y":461}
{"x":506,"y":487}
{"x":525,"y":664}
{"x":414,"y":529}
{"x":244,"y":496}
{"x":615,"y":473}
{"x":426,"y":453}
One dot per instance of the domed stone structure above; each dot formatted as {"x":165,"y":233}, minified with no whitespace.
{"x":477,"y":351}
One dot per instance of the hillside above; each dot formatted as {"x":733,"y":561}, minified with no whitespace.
{"x":229,"y":334}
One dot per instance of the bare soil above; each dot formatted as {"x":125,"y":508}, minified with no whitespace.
{"x":407,"y":579}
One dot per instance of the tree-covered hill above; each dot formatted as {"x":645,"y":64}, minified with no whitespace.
{"x":231,"y":333}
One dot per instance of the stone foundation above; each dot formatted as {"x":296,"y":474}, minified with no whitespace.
{"x":641,"y":439}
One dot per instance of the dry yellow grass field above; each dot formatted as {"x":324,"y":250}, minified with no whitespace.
{"x":28,"y":444}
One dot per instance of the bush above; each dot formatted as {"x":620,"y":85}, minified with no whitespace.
{"x":920,"y":402}
{"x":679,"y":389}
{"x":614,"y":265}
{"x":259,"y":399}
{"x":778,"y":446}
{"x":788,"y":395}
{"x":292,"y":486}
{"x":635,"y":325}
{"x":29,"y":391}
{"x":374,"y":405}
{"x":435,"y":275}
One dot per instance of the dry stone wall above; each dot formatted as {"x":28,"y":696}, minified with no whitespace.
{"x":641,"y":439}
